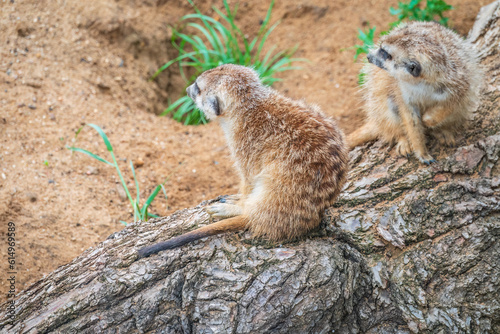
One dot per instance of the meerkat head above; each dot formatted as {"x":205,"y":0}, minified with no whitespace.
{"x":411,"y":52}
{"x":218,"y":92}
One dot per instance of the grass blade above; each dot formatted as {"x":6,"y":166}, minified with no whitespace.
{"x":174,"y":105}
{"x":144,"y":211}
{"x":267,"y":18}
{"x":163,"y":189}
{"x":173,"y":61}
{"x":103,"y":136}
{"x":136,"y":183}
{"x":90,"y":154}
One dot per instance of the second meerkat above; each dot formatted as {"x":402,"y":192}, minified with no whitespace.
{"x":423,"y":78}
{"x":291,"y":159}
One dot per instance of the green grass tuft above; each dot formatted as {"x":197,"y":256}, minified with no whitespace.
{"x":222,"y":42}
{"x":413,"y":11}
{"x":140,"y":213}
{"x":367,"y":39}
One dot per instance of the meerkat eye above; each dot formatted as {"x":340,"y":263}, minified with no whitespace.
{"x":414,"y":68}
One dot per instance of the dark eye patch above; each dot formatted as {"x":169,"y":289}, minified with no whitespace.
{"x":414,"y":68}
{"x":384,"y":54}
{"x":213,"y":103}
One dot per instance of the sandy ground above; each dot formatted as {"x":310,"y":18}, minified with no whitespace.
{"x":67,"y":63}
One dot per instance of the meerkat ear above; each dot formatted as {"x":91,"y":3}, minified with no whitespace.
{"x":213,"y":105}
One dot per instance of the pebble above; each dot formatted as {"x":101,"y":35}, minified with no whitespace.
{"x":121,"y":192}
{"x":52,"y":181}
{"x":32,"y":196}
{"x":32,"y":106}
{"x":91,"y":170}
{"x":138,"y":163}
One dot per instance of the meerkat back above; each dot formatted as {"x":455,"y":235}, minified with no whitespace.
{"x":422,"y":79}
{"x":292,"y":160}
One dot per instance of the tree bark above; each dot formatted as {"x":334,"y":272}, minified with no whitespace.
{"x":407,"y":248}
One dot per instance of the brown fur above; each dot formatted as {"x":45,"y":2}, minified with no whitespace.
{"x":438,"y":100}
{"x":292,"y":160}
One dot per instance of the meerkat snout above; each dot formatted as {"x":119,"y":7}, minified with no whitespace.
{"x":193,"y":90}
{"x":373,"y":59}
{"x":208,"y":103}
{"x":378,"y":57}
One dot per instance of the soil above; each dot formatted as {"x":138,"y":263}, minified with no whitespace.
{"x":67,"y":63}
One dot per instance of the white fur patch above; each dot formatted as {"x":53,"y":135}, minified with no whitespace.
{"x":422,"y":94}
{"x":258,"y":192}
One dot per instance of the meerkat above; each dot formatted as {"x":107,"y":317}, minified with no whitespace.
{"x":422,"y":78}
{"x":291,"y":159}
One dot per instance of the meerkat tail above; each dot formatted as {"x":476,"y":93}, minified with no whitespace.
{"x":233,"y":224}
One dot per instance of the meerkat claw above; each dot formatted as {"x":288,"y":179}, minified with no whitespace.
{"x":428,"y":162}
{"x":230,"y":199}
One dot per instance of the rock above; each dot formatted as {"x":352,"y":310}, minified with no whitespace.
{"x":91,"y":170}
{"x":32,"y":197}
{"x":121,"y":192}
{"x":138,"y":163}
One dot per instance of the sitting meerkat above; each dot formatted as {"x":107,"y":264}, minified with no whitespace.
{"x":426,"y":79}
{"x":291,"y":159}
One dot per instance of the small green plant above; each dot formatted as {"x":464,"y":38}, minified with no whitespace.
{"x":367,"y":38}
{"x":433,"y":11}
{"x":139,"y":212}
{"x":223,"y":43}
{"x":46,"y":163}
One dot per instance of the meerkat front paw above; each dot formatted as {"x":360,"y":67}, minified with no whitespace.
{"x":223,"y":210}
{"x":403,"y":147}
{"x":445,"y":137}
